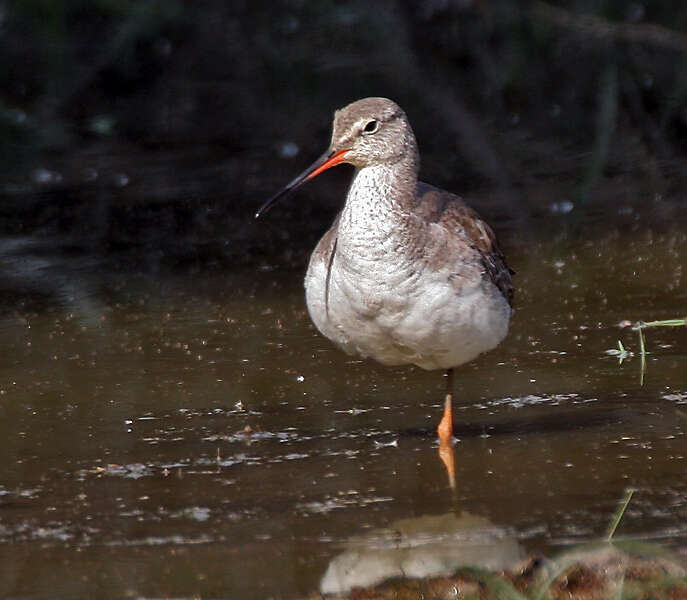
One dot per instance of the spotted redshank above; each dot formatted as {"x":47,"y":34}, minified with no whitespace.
{"x":407,"y":273}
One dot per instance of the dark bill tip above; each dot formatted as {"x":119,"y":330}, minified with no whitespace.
{"x":327,"y":160}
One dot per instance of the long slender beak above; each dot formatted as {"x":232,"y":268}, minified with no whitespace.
{"x":329,"y":159}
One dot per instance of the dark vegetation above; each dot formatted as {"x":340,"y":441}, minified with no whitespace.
{"x":156,"y":127}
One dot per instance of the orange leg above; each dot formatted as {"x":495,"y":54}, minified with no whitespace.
{"x":445,"y":429}
{"x":445,"y":432}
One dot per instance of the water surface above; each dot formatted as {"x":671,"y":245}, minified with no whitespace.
{"x":190,"y":433}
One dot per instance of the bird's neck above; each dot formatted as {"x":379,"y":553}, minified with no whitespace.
{"x":376,"y":223}
{"x":380,"y":194}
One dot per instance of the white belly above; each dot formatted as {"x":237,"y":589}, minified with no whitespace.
{"x":399,"y":314}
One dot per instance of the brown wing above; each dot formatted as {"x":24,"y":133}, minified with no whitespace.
{"x":438,"y":206}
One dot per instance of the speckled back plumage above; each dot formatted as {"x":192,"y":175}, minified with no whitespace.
{"x":453,"y":213}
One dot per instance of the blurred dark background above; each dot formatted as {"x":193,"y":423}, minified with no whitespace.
{"x":154,"y":128}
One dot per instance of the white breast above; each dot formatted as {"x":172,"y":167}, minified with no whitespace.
{"x":373,"y":299}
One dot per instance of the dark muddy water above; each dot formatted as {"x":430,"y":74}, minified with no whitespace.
{"x":192,"y":434}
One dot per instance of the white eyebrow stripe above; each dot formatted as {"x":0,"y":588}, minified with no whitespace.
{"x":360,"y":123}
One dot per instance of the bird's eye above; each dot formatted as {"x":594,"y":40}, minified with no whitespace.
{"x":371,"y":126}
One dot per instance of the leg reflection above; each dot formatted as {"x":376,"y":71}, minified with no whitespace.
{"x":447,"y":456}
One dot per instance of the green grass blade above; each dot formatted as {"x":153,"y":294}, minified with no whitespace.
{"x":665,"y":323}
{"x":642,"y":354}
{"x":619,"y":514}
